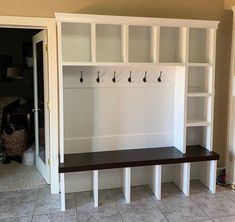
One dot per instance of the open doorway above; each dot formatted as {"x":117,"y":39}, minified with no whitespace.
{"x":23,"y":121}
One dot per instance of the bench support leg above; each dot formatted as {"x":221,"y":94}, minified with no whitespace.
{"x":157,"y":176}
{"x":95,"y":188}
{"x":183,"y":178}
{"x":208,"y":175}
{"x":62,"y":191}
{"x":127,"y":184}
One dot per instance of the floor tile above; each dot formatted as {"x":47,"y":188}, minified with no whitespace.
{"x":181,"y":209}
{"x":230,"y":194}
{"x":197,"y":187}
{"x":50,"y":203}
{"x":106,"y":198}
{"x":139,"y":212}
{"x":118,"y":196}
{"x":215,"y":206}
{"x":100,"y":214}
{"x":17,"y":203}
{"x":30,"y":194}
{"x":139,"y":194}
{"x":16,"y":208}
{"x":18,"y":219}
{"x":170,"y":190}
{"x":225,"y":219}
{"x":69,"y":216}
{"x":85,"y":200}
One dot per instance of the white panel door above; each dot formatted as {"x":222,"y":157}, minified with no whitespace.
{"x":41,"y":111}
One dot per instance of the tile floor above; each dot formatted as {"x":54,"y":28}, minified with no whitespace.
{"x":38,"y":205}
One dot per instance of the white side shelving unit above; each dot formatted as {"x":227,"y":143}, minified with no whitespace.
{"x":176,"y":112}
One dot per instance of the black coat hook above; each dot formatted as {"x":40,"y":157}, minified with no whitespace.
{"x":129,"y":79}
{"x":114,"y":77}
{"x":81,"y":78}
{"x":160,"y":77}
{"x":98,"y":77}
{"x":145,"y":77}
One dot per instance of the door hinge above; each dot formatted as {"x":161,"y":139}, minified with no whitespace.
{"x":46,"y":47}
{"x":49,"y":161}
{"x":48,"y":105}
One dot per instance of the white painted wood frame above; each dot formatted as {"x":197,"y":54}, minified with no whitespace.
{"x":95,"y":188}
{"x":182,"y":96}
{"x":230,"y":153}
{"x":157,"y":181}
{"x":127,"y":184}
{"x":50,"y":25}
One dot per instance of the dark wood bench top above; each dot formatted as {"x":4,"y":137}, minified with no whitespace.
{"x":133,"y":157}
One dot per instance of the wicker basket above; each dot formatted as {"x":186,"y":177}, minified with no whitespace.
{"x":14,"y":144}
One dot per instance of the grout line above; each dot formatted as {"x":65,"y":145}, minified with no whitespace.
{"x":76,"y":204}
{"x":122,"y":217}
{"x":149,"y":191}
{"x":200,"y":207}
{"x":35,"y":204}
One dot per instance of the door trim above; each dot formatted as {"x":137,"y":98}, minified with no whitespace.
{"x":43,"y":167}
{"x":50,"y":25}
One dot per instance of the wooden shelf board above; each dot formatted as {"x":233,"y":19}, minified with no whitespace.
{"x":133,"y":158}
{"x":192,"y":123}
{"x":119,"y":64}
{"x":200,"y":64}
{"x":199,"y":94}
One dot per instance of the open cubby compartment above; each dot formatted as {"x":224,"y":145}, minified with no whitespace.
{"x":198,"y":110}
{"x":76,"y":42}
{"x":140,"y":44}
{"x":199,"y":135}
{"x":140,"y":122}
{"x":172,"y":173}
{"x":205,"y":172}
{"x":108,"y":43}
{"x":200,"y":45}
{"x":171,"y":45}
{"x":199,"y":80}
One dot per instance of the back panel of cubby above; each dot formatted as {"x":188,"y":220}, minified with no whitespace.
{"x":76,"y":42}
{"x":169,"y":45}
{"x":139,"y":44}
{"x":108,"y":116}
{"x":108,"y":43}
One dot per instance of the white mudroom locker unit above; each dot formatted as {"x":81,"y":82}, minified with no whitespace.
{"x":138,"y":89}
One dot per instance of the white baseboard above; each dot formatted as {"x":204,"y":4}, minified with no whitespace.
{"x":118,"y":142}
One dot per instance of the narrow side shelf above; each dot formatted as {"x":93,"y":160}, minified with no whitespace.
{"x":134,"y":157}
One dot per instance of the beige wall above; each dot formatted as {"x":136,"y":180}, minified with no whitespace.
{"x":228,"y":3}
{"x":192,"y":9}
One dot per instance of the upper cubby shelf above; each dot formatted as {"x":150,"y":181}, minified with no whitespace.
{"x":108,"y":43}
{"x":139,"y":44}
{"x":201,"y":46}
{"x":170,"y":45}
{"x":200,"y":80}
{"x":76,"y":42}
{"x":89,"y":39}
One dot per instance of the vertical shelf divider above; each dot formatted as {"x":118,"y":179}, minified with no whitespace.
{"x":157,"y":181}
{"x":182,"y":179}
{"x":61,"y":93}
{"x":180,"y":109}
{"x":95,"y":188}
{"x":62,"y":191}
{"x":127,"y":184}
{"x":155,"y":43}
{"x":93,"y":42}
{"x":184,"y":44}
{"x":208,"y":174}
{"x":125,"y":43}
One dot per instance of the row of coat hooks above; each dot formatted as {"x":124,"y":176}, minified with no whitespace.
{"x":114,"y":79}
